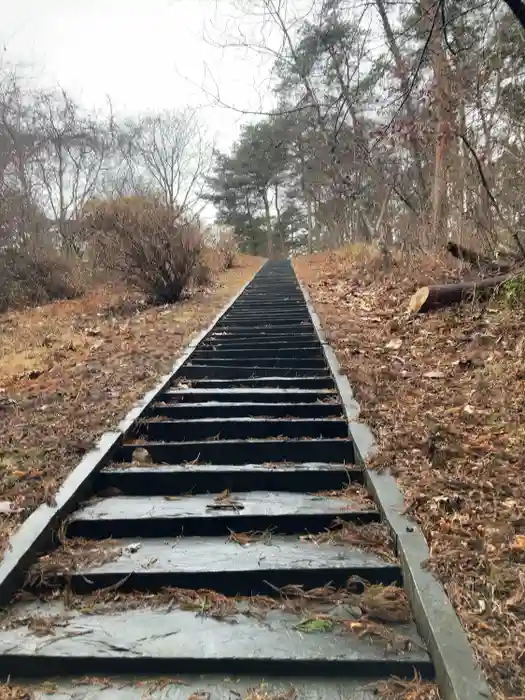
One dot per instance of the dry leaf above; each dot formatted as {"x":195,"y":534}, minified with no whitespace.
{"x":204,"y":695}
{"x":141,"y":455}
{"x":518,"y":543}
{"x":222,"y":496}
{"x":8,"y":507}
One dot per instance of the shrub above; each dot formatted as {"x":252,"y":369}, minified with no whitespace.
{"x":206,"y":269}
{"x":33,"y":274}
{"x":227,"y":248}
{"x":151,"y":247}
{"x":512,"y":292}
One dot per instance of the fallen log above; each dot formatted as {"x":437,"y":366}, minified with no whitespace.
{"x":477,"y":260}
{"x":440,"y":296}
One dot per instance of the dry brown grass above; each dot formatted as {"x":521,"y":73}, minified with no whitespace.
{"x":400,"y":689}
{"x":357,"y":494}
{"x":373,"y":537}
{"x":265,"y":692}
{"x":72,"y":555}
{"x":72,"y":369}
{"x":245,"y":538}
{"x":443,"y":393}
{"x":9,"y":691}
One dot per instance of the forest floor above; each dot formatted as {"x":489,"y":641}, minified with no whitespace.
{"x":444,"y":394}
{"x":72,"y":369}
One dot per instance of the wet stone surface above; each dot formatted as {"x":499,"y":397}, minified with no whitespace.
{"x":265,"y":503}
{"x":165,"y":639}
{"x":207,"y":688}
{"x":208,"y":554}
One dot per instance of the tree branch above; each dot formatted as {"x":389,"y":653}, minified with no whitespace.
{"x":491,"y":196}
{"x":518,"y":9}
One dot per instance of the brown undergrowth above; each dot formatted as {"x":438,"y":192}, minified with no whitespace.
{"x":372,"y":537}
{"x":9,"y":691}
{"x":265,"y":692}
{"x":444,"y":395}
{"x":71,"y":556}
{"x":72,"y":369}
{"x":400,"y":689}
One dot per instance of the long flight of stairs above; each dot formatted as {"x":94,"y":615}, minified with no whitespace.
{"x":195,"y":555}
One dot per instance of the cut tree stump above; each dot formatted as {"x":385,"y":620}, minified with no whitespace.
{"x":440,"y":296}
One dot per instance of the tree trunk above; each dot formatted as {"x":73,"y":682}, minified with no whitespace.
{"x":61,"y":202}
{"x":306,"y":197}
{"x":518,"y":8}
{"x":282,"y":241}
{"x":309,"y":223}
{"x":409,"y":107}
{"x":461,"y":175}
{"x":441,"y":96}
{"x":269,"y":231}
{"x":442,"y":295}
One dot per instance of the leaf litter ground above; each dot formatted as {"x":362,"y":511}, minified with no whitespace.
{"x":444,"y":395}
{"x":71,"y":370}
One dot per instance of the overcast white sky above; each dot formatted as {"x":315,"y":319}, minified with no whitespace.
{"x":146,"y":54}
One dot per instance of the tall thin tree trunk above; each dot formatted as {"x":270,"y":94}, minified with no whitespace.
{"x":61,"y":205}
{"x":307,"y":198}
{"x":461,"y":170}
{"x":282,"y":242}
{"x":309,"y":222}
{"x":409,"y":107}
{"x":269,"y":230}
{"x":443,"y":131}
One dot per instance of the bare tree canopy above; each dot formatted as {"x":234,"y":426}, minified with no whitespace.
{"x":400,"y":123}
{"x":169,"y":151}
{"x":55,"y":157}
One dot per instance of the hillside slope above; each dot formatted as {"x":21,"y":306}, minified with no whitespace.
{"x":444,"y":394}
{"x":72,"y":369}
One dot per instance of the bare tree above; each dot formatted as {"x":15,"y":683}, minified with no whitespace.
{"x":18,"y":149}
{"x":168,"y":151}
{"x":72,"y":152}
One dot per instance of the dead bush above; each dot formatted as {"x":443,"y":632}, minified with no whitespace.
{"x":149,"y":245}
{"x":228,"y":250}
{"x":203,"y":275}
{"x":33,"y":274}
{"x":208,"y":267}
